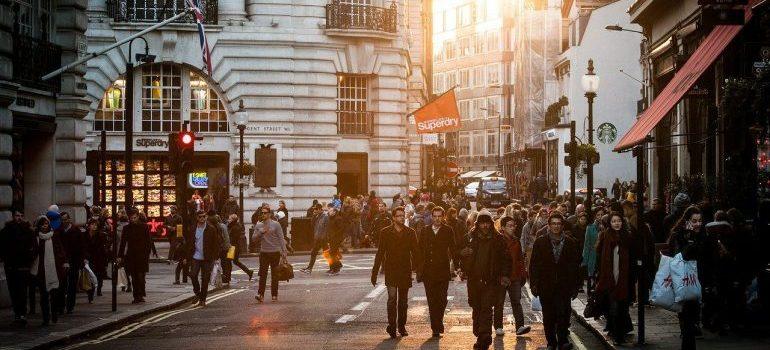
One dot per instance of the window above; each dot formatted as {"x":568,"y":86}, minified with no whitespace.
{"x":207,"y":114}
{"x":438,"y":83}
{"x":450,"y":19}
{"x":493,"y":74}
{"x":353,"y":116}
{"x":162,"y":97}
{"x":33,"y":18}
{"x":464,"y":16}
{"x":465,"y":143}
{"x":478,"y":44}
{"x":493,"y":41}
{"x":465,"y":78}
{"x":507,"y":140}
{"x":464,"y":45}
{"x":493,"y":106}
{"x":478,"y":108}
{"x":478,"y":76}
{"x":450,"y":51}
{"x":109,"y":116}
{"x":464,"y":109}
{"x":492,"y":143}
{"x":451,"y":80}
{"x":154,"y":186}
{"x":478,"y":143}
{"x":479,"y":12}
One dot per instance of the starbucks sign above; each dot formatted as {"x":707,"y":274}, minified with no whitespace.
{"x":608,"y":133}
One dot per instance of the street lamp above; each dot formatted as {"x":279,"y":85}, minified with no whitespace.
{"x":618,"y":28}
{"x":241,"y":119}
{"x":590,"y":84}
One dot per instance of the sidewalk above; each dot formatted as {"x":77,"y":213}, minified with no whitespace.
{"x":87,"y":318}
{"x":662,"y":331}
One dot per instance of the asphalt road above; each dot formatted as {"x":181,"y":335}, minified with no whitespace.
{"x":314,"y":312}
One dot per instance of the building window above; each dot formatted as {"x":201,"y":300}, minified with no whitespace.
{"x":493,"y":106}
{"x":464,"y":109}
{"x":492,"y":143}
{"x":465,"y":144}
{"x":493,"y":74}
{"x":465,"y":78}
{"x":478,"y":44}
{"x":451,"y":80}
{"x":478,"y":76}
{"x":464,"y":45}
{"x":162,"y":97}
{"x":478,"y":108}
{"x":207,"y":114}
{"x":33,"y":18}
{"x":109,"y":116}
{"x":493,"y":41}
{"x":464,"y":16}
{"x":450,"y":19}
{"x":154,"y":186}
{"x":353,"y":116}
{"x":478,"y":143}
{"x":438,"y":83}
{"x":450,"y":51}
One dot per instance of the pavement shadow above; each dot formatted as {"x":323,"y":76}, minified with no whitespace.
{"x":387,"y":344}
{"x":430,"y":344}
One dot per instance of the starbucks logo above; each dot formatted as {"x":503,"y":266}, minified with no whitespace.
{"x":607,"y":133}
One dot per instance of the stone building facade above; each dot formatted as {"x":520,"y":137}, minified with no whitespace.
{"x":326,"y":83}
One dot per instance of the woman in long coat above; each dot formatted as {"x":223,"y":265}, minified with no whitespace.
{"x":48,"y":268}
{"x":96,"y":254}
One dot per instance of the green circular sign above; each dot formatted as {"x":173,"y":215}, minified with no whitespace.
{"x":607,"y":133}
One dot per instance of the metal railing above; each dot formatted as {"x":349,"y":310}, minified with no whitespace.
{"x":355,"y":123}
{"x":158,"y":10}
{"x":32,"y":58}
{"x":352,"y":16}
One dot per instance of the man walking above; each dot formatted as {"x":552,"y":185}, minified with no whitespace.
{"x":171,"y":222}
{"x":320,"y":223}
{"x":75,"y":247}
{"x":270,"y":254}
{"x":203,"y":249}
{"x":17,"y":250}
{"x":554,"y":277}
{"x":238,"y":240}
{"x":518,"y":277}
{"x":135,"y":247}
{"x":397,"y":253}
{"x":437,"y":248}
{"x":488,"y":266}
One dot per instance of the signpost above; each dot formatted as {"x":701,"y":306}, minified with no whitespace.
{"x":452,"y":169}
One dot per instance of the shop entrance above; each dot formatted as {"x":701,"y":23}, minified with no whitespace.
{"x":32,"y":161}
{"x":352,"y":173}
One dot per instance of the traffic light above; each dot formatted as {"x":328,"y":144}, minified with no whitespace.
{"x":185,"y":144}
{"x":570,"y":149}
{"x":569,"y":161}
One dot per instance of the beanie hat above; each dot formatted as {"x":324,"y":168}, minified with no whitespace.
{"x":681,"y":200}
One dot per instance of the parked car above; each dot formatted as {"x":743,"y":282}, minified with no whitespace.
{"x":492,"y":192}
{"x":470,"y":190}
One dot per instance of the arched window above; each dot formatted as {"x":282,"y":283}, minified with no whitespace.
{"x":169,"y":94}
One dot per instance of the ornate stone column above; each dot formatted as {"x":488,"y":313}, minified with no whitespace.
{"x":7,"y":96}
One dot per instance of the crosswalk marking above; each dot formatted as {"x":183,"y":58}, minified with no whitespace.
{"x":361,"y":306}
{"x":376,"y":291}
{"x":449,"y":297}
{"x":345,"y":318}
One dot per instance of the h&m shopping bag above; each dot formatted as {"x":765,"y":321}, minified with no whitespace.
{"x":684,"y":274}
{"x":663,"y":288}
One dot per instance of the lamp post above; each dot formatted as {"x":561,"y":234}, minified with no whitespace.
{"x":590,"y":84}
{"x":241,"y":119}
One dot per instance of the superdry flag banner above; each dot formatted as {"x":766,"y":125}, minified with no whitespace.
{"x":199,"y":19}
{"x":441,"y":115}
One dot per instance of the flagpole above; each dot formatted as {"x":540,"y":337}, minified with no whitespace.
{"x":92,"y":55}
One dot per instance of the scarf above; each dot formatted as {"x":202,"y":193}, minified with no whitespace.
{"x":556,"y":245}
{"x":49,"y":261}
{"x":618,"y":289}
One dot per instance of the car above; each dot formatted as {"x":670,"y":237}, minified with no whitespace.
{"x":470,"y":190}
{"x":493,"y":192}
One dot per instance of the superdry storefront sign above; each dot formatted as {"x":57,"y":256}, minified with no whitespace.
{"x":151,"y":143}
{"x":441,"y":115}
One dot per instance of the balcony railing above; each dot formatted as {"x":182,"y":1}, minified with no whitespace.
{"x":33,"y":58}
{"x":158,"y":10}
{"x":366,"y":17}
{"x":355,"y":123}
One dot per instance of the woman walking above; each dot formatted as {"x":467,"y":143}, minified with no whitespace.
{"x":48,"y":268}
{"x":589,"y":247}
{"x":614,"y":281}
{"x":96,"y":255}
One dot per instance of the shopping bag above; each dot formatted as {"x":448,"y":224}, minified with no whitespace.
{"x":216,"y":274}
{"x":663,"y":288}
{"x":536,"y":306}
{"x":231,"y":252}
{"x":84,"y":285}
{"x":596,"y":305}
{"x":122,"y":278}
{"x":285,"y":270}
{"x":91,"y":275}
{"x":684,"y":274}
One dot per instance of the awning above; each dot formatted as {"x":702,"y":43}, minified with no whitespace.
{"x":469,"y":174}
{"x":683,"y":80}
{"x":486,"y":173}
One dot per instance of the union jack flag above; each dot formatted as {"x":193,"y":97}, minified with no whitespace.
{"x":199,"y":19}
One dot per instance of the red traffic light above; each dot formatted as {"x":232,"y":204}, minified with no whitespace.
{"x":187,"y":138}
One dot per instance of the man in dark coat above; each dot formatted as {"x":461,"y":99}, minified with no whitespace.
{"x":437,"y":249}
{"x":398,"y":253}
{"x":337,"y":225}
{"x":554,"y":277}
{"x":203,"y":248}
{"x":134,"y":252}
{"x":171,"y":222}
{"x":75,"y":247}
{"x":17,"y":250}
{"x":487,"y":265}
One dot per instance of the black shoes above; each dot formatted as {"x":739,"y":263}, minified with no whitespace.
{"x":403,"y":331}
{"x":260,"y":298}
{"x":250,"y":273}
{"x":392,"y":332}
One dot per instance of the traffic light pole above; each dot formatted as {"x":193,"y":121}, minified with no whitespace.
{"x":572,"y":166}
{"x":642,"y":291}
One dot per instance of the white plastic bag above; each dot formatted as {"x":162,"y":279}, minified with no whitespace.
{"x":122,"y":278}
{"x":91,"y":275}
{"x":684,"y":275}
{"x":216,"y":274}
{"x":536,"y":306}
{"x":663,"y":288}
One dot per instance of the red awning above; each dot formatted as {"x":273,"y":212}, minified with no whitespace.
{"x":683,"y":80}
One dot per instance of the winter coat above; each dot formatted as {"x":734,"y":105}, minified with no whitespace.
{"x":693,"y":246}
{"x":211,"y":242}
{"x":135,"y":247}
{"x":237,"y":235}
{"x":499,"y":261}
{"x":398,"y":254}
{"x":60,"y":257}
{"x":336,"y":230}
{"x":17,"y":245}
{"x":589,"y":248}
{"x":518,"y":271}
{"x":74,"y":242}
{"x":549,"y":278}
{"x":620,"y":289}
{"x":437,"y":250}
{"x":320,"y":230}
{"x":96,"y":253}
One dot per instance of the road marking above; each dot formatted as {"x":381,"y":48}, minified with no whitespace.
{"x":448,"y":298}
{"x":346,"y":318}
{"x":376,"y":291}
{"x":150,"y":320}
{"x":361,"y":306}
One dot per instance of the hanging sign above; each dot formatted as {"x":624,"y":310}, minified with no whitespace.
{"x":607,"y":133}
{"x":441,"y":115}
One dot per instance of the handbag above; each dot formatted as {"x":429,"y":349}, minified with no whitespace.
{"x":596,"y":306}
{"x":84,"y":284}
{"x":285,"y":270}
{"x":231,"y":252}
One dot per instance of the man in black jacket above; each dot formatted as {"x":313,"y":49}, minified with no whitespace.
{"x":203,"y":248}
{"x":134,"y":252}
{"x":554,"y":277}
{"x":487,"y":265}
{"x":437,"y":248}
{"x":17,"y":250}
{"x":75,"y":247}
{"x":398,"y":254}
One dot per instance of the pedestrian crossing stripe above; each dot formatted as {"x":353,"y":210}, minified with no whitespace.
{"x":449,"y":297}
